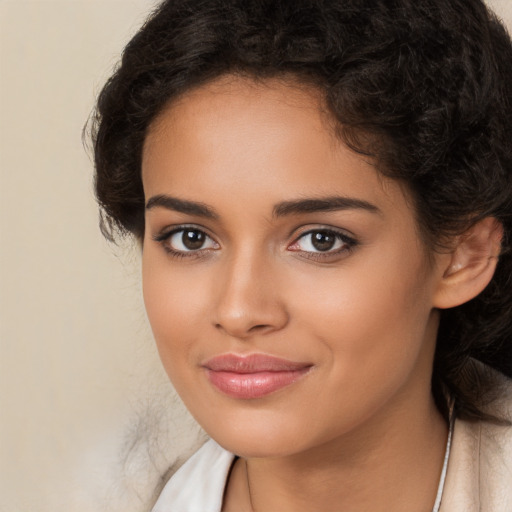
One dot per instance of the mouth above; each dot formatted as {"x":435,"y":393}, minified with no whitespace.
{"x":253,"y":376}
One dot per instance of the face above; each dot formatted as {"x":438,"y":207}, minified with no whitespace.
{"x":288,"y":290}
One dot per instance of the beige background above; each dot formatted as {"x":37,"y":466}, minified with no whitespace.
{"x":80,"y":383}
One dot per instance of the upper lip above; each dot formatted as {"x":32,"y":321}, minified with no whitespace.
{"x":252,"y":363}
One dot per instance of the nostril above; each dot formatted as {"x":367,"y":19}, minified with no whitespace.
{"x":258,"y":327}
{"x":243,"y":320}
{"x":242,"y":331}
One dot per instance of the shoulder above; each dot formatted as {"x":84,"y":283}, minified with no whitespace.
{"x":198,"y":486}
{"x":480,"y":467}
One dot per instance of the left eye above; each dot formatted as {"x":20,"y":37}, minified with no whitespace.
{"x":188,"y":240}
{"x":321,"y":240}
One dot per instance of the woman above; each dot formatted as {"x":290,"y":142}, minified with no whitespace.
{"x":323,"y":196}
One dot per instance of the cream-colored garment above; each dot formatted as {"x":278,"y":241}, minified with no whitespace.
{"x":479,"y":476}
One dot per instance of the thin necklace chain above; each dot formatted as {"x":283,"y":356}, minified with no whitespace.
{"x":440,"y":488}
{"x":248,"y":485}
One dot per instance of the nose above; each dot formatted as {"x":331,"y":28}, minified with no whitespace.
{"x":248,"y":298}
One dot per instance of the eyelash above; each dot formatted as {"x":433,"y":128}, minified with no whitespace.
{"x":164,"y":237}
{"x":348,"y":243}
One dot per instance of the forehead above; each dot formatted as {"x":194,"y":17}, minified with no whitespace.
{"x":245,"y":91}
{"x":274,"y":138}
{"x":233,"y":109}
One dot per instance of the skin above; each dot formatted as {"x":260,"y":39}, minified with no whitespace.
{"x":350,"y":434}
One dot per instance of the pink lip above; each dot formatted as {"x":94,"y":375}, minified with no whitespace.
{"x":252,"y":376}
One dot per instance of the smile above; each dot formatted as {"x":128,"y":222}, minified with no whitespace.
{"x":254,"y":376}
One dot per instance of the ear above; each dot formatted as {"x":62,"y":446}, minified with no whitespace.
{"x":471,"y":265}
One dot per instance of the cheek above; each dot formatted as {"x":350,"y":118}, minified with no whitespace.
{"x":371,"y":344}
{"x":356,"y":298}
{"x":371,"y":320}
{"x":175,"y":303}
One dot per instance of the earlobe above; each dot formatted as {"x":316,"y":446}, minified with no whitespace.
{"x":471,"y":264}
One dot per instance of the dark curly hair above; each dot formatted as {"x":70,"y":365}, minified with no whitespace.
{"x":423,"y":86}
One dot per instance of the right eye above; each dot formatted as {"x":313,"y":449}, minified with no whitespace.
{"x":186,"y":240}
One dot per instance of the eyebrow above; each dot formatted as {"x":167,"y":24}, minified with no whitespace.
{"x":182,"y":206}
{"x":283,"y":209}
{"x":325,"y":204}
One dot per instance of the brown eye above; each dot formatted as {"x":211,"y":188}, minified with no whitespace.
{"x":323,"y":240}
{"x":186,"y":240}
{"x":193,"y":239}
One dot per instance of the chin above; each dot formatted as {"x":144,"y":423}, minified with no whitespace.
{"x":258,"y":436}
{"x":259,"y":447}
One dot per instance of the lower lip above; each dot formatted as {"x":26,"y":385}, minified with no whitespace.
{"x":253,"y":385}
